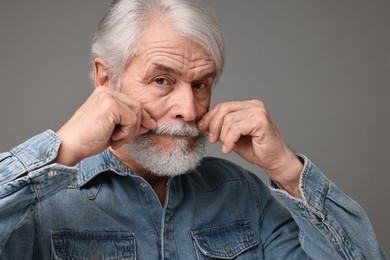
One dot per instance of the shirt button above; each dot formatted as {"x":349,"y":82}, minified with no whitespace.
{"x":227,"y":248}
{"x":333,"y":239}
{"x":117,"y":167}
{"x":301,"y":206}
{"x":143,"y":185}
{"x":42,"y":157}
{"x":52,"y":173}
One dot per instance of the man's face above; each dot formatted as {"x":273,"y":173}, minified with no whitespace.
{"x":172,"y":78}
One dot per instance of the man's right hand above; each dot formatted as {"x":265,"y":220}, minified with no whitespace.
{"x":107,"y":118}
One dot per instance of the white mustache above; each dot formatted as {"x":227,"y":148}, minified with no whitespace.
{"x":177,"y":128}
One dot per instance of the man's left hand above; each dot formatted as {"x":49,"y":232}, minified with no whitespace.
{"x":246,"y":128}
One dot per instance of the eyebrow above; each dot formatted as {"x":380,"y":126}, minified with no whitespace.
{"x":164,"y":68}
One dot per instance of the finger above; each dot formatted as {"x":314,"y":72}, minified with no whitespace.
{"x":216,"y":121}
{"x":228,"y":106}
{"x":250,"y":123}
{"x":117,"y":144}
{"x":213,"y":120}
{"x":144,"y":120}
{"x":203,"y":123}
{"x":241,"y":120}
{"x":147,"y":122}
{"x":127,"y":126}
{"x":123,"y":98}
{"x":232,"y":133}
{"x":124,"y":132}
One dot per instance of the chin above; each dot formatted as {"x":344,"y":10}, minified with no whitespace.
{"x":170,"y":144}
{"x":161,"y":159}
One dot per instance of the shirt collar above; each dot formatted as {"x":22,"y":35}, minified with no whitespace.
{"x":92,"y":166}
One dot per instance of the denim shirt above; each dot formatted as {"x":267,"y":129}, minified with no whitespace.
{"x":101,"y":209}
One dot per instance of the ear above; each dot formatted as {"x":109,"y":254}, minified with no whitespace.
{"x":101,"y":73}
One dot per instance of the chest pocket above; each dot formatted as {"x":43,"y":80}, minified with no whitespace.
{"x":83,"y":245}
{"x":229,"y":241}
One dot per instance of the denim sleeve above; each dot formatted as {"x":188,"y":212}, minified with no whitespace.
{"x":331,"y":225}
{"x":27,"y":176}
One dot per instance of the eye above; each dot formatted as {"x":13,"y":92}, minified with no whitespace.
{"x":161,"y":81}
{"x":199,"y":85}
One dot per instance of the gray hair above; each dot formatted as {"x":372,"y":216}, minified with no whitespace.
{"x":116,"y":38}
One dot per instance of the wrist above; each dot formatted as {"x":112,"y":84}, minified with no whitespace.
{"x":288,"y":175}
{"x":65,"y":155}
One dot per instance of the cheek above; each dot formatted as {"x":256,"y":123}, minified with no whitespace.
{"x":203,"y":100}
{"x":157,"y":108}
{"x":202,"y":108}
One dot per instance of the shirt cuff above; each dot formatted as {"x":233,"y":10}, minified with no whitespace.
{"x":37,"y":151}
{"x":313,"y":185}
{"x":34,"y":157}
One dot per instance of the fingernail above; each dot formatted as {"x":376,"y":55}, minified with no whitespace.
{"x":225,"y":149}
{"x":200,"y":124}
{"x":211,"y":138}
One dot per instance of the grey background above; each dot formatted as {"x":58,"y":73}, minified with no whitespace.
{"x":321,"y":67}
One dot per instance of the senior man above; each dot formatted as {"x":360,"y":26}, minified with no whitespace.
{"x":125,"y":177}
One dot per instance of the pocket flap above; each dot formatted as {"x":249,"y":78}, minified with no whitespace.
{"x":93,"y":245}
{"x":225,"y":241}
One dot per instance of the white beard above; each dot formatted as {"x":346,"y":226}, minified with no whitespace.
{"x":179,"y":160}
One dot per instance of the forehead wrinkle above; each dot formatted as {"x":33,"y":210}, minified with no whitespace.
{"x":189,"y":60}
{"x":189,"y":51}
{"x":174,"y":64}
{"x":196,"y":73}
{"x":164,"y":68}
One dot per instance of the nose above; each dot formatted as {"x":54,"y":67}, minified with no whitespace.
{"x":184,"y":104}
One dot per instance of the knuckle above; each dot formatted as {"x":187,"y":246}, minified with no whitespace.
{"x":260,"y":115}
{"x":213,"y":127}
{"x":229,"y":118}
{"x":222,"y":107}
{"x":137,"y":105}
{"x":107,"y":102}
{"x":257,"y":103}
{"x":217,"y":105}
{"x":235,"y":128}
